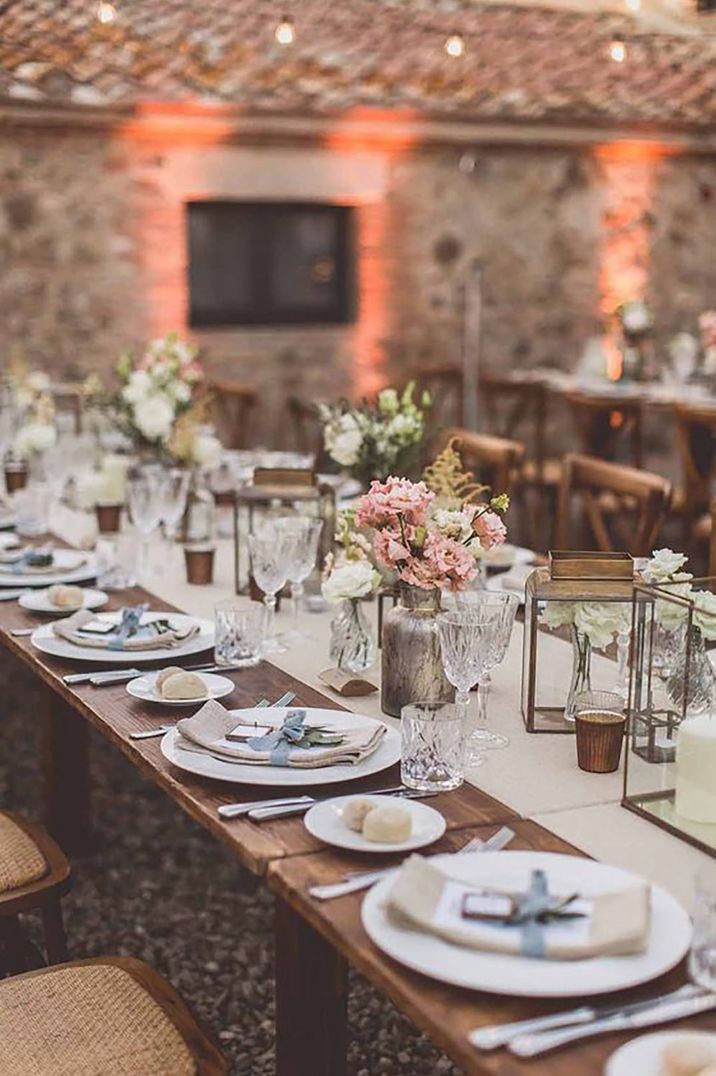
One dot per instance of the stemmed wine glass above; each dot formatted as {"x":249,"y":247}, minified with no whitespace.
{"x":174,"y":489}
{"x":464,"y":643}
{"x":271,"y":553}
{"x":144,"y":497}
{"x":505,"y":606}
{"x":304,"y":535}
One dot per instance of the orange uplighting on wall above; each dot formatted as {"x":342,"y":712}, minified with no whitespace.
{"x":629,"y":171}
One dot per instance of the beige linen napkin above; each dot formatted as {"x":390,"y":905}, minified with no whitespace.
{"x":206,"y":730}
{"x":429,"y":900}
{"x":67,"y":629}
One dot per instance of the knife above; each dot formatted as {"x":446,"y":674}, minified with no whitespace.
{"x":491,"y":1038}
{"x":117,"y":675}
{"x":236,"y":810}
{"x":266,"y":814}
{"x":661,"y":1013}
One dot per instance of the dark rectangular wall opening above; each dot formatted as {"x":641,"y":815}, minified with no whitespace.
{"x":270,"y":263}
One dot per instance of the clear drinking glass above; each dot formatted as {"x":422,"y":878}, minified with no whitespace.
{"x":271,"y":553}
{"x":116,"y":562}
{"x":238,"y":633}
{"x":174,"y":489}
{"x":433,"y":746}
{"x":503,"y":607}
{"x":702,"y":958}
{"x":304,"y":535}
{"x":144,"y":496}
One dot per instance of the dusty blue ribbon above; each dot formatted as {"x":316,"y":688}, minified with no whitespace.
{"x":531,"y":907}
{"x":32,"y":559}
{"x":128,"y":626}
{"x":280,"y":742}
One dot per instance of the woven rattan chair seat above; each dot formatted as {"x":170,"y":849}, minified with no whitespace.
{"x":91,"y":1020}
{"x":21,"y":861}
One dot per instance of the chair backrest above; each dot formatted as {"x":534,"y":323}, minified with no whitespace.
{"x":510,"y":405}
{"x":605,"y":423}
{"x":616,"y":500}
{"x":445,"y":385}
{"x":306,"y":425}
{"x":231,"y":406}
{"x":696,"y":438}
{"x":493,"y":460}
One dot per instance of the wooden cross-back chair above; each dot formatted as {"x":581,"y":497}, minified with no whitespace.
{"x":696,"y":439}
{"x":616,"y":501}
{"x":231,"y":406}
{"x":511,"y":406}
{"x":605,"y":424}
{"x":493,"y":460}
{"x":307,"y":429}
{"x":445,"y":385}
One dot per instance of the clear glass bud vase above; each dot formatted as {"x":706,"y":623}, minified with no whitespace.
{"x":691,"y":681}
{"x":352,"y":645}
{"x":581,"y":670}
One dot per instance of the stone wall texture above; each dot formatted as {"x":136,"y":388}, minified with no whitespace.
{"x":93,"y":252}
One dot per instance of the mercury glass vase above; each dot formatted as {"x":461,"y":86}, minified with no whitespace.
{"x":412,"y":667}
{"x":581,"y":671}
{"x":352,"y":645}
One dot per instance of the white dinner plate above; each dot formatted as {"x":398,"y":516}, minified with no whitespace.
{"x":45,"y":640}
{"x":37,"y":601}
{"x":325,"y":821}
{"x":246,"y":774}
{"x":7,"y":521}
{"x":642,"y":1056}
{"x":499,"y":973}
{"x":8,"y":540}
{"x":70,"y":567}
{"x":505,"y":556}
{"x":145,"y":688}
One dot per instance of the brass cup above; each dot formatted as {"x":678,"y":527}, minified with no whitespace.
{"x":199,"y":565}
{"x":109,"y":518}
{"x":15,"y":476}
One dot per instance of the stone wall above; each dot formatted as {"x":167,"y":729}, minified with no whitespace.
{"x":93,"y":260}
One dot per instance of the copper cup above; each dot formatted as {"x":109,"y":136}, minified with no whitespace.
{"x":15,"y":476}
{"x":199,"y":565}
{"x":109,"y":518}
{"x":600,"y":734}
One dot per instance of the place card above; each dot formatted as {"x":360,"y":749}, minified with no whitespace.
{"x":345,"y":684}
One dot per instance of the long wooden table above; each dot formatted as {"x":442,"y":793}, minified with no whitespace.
{"x":314,"y":941}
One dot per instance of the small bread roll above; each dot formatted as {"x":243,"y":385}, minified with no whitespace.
{"x":65,"y":596}
{"x":387,"y":825}
{"x":687,"y":1056}
{"x":183,"y":685}
{"x":164,"y":674}
{"x":355,"y":812}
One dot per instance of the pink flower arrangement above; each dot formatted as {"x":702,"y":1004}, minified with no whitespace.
{"x":707,"y":328}
{"x":425,"y":545}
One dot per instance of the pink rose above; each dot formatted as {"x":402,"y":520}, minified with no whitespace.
{"x":445,"y":563}
{"x":489,"y":528}
{"x":389,"y":547}
{"x":386,"y":501}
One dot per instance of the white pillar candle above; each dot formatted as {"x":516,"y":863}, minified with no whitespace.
{"x":114,"y":475}
{"x":696,"y":769}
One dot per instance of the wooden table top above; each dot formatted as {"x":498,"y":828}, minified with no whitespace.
{"x":114,"y":713}
{"x":447,"y":1014}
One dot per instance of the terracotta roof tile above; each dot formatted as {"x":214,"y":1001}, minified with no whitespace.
{"x":521,"y":63}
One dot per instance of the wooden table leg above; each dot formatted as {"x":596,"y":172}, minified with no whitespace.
{"x":66,"y":777}
{"x":311,"y":999}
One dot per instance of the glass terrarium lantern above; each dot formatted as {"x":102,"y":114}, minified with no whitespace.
{"x":584,"y":600}
{"x":670,"y":769}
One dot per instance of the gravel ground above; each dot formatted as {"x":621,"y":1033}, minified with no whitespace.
{"x":161,"y":889}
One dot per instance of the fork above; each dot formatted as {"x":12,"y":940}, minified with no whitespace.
{"x":355,"y":882}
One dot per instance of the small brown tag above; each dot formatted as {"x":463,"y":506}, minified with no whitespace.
{"x":345,"y":684}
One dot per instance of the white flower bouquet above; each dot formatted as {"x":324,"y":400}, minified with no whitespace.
{"x":374,"y":441}
{"x":38,"y":433}
{"x":635,"y":320}
{"x":157,"y":389}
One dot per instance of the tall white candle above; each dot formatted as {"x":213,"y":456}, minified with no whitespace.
{"x":696,"y":769}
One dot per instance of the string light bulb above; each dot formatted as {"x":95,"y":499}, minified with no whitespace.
{"x":618,"y":50}
{"x":106,"y":12}
{"x":455,"y":46}
{"x":285,"y":32}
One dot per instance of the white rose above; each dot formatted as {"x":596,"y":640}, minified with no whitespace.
{"x":38,"y":381}
{"x":388,"y":401}
{"x":601,"y":621}
{"x":344,"y":439}
{"x":705,"y":612}
{"x":664,"y":565}
{"x":34,"y":437}
{"x":636,"y":317}
{"x":558,"y":614}
{"x":154,"y":417}
{"x":453,"y":523}
{"x":207,"y":450}
{"x":182,"y":392}
{"x":138,"y":387}
{"x":354,"y":579}
{"x":404,"y":429}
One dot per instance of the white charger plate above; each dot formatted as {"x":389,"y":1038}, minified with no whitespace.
{"x":37,"y":601}
{"x":243,"y":773}
{"x":71,"y":567}
{"x":642,"y":1056}
{"x":498,"y":973}
{"x":145,"y":688}
{"x":47,"y":642}
{"x":325,"y":821}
